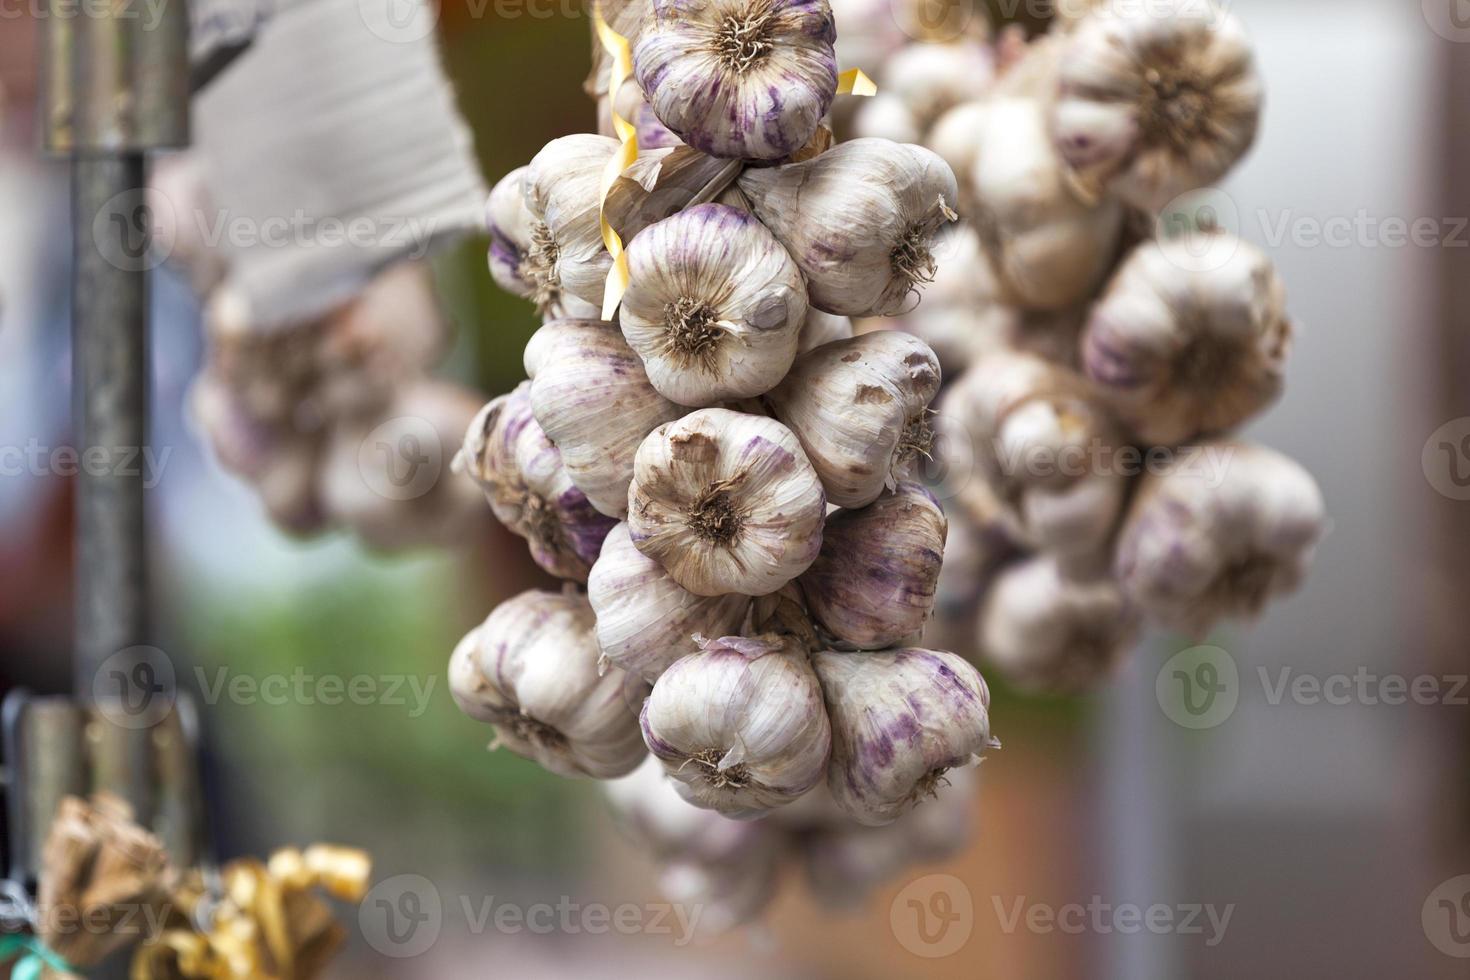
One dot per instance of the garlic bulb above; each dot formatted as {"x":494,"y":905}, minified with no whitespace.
{"x":955,"y":137}
{"x":592,"y":399}
{"x":1049,"y":249}
{"x":653,"y":812}
{"x":509,"y":224}
{"x":1219,"y":535}
{"x":1180,"y":349}
{"x":1051,"y":634}
{"x":646,"y":620}
{"x":714,"y":305}
{"x":565,"y":254}
{"x":729,"y":894}
{"x":289,"y":490}
{"x":885,"y":116}
{"x":726,"y":503}
{"x":873,"y":583}
{"x":859,"y":220}
{"x":1158,"y":101}
{"x":521,"y":472}
{"x":739,"y":725}
{"x":861,"y":410}
{"x":932,"y":78}
{"x":530,"y":671}
{"x":901,"y":719}
{"x":822,"y":328}
{"x":746,"y":79}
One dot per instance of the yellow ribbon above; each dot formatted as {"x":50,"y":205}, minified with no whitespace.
{"x":854,"y":82}
{"x":622,"y":67}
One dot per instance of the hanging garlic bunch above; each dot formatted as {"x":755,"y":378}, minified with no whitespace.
{"x":564,"y":258}
{"x":530,"y":671}
{"x":739,"y":725}
{"x":859,"y":220}
{"x":726,"y":502}
{"x":714,"y":305}
{"x":1156,"y":101}
{"x":1052,"y":634}
{"x":746,"y":79}
{"x":1218,"y":535}
{"x":506,"y":452}
{"x":919,"y":84}
{"x":861,"y":410}
{"x":1179,"y":348}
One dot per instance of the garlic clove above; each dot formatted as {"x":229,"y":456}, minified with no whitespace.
{"x":506,"y":452}
{"x":744,"y":79}
{"x":726,"y":502}
{"x":859,"y":220}
{"x":562,"y":187}
{"x":1179,"y":349}
{"x":1154,"y":103}
{"x":646,"y":620}
{"x":900,"y":719}
{"x":530,"y":671}
{"x":860,"y":409}
{"x":739,"y":725}
{"x":874,"y":582}
{"x":1219,"y":534}
{"x":591,"y":397}
{"x":714,"y":305}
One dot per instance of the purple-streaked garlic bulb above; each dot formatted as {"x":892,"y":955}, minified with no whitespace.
{"x":565,"y":259}
{"x":861,"y":410}
{"x":509,"y":224}
{"x":646,"y":620}
{"x":714,"y":305}
{"x":1051,"y":634}
{"x":593,"y":400}
{"x":739,"y":725}
{"x":744,"y":79}
{"x":506,"y":452}
{"x":873,"y":583}
{"x":530,"y":671}
{"x":1179,"y":347}
{"x":726,"y":502}
{"x":1227,"y":528}
{"x":901,"y":719}
{"x":1154,"y":102}
{"x":859,"y":220}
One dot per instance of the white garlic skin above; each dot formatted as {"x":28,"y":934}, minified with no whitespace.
{"x":509,"y":225}
{"x":860,"y":408}
{"x":646,"y":620}
{"x":743,"y":79}
{"x":1193,"y":551}
{"x":933,"y":77}
{"x":714,"y":305}
{"x":886,"y":116}
{"x":1154,"y":103}
{"x":726,"y":502}
{"x":562,"y":187}
{"x":1051,"y":634}
{"x":739,"y":725}
{"x":506,"y":452}
{"x":822,"y":328}
{"x":1048,"y":247}
{"x":900,"y":719}
{"x":592,"y":398}
{"x":1179,"y":349}
{"x":859,"y":220}
{"x":874,"y":582}
{"x":530,"y":671}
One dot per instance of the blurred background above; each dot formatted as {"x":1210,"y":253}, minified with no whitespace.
{"x":1322,"y":829}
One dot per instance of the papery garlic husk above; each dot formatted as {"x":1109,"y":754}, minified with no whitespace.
{"x":744,"y":79}
{"x":1048,"y":247}
{"x":1051,"y":634}
{"x":873,"y":583}
{"x":563,"y":194}
{"x":900,"y":719}
{"x":714,"y":305}
{"x":1224,"y":530}
{"x":646,"y":620}
{"x":822,"y":328}
{"x":593,"y":400}
{"x":726,"y":502}
{"x":634,"y":108}
{"x":1178,"y":348}
{"x":740,"y":725}
{"x":1153,"y":103}
{"x":506,"y":452}
{"x":530,"y":671}
{"x":663,"y":182}
{"x":859,"y":220}
{"x":861,"y":410}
